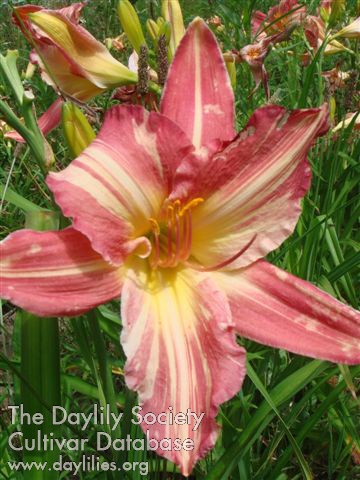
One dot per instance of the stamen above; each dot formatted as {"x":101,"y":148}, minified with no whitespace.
{"x":156,"y":230}
{"x":155,"y":226}
{"x":185,"y":238}
{"x":177,"y":240}
{"x":200,"y":268}
{"x":189,"y":239}
{"x":170,"y":223}
{"x":173,"y":244}
{"x":192,"y":204}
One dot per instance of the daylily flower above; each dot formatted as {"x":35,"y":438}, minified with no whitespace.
{"x":257,"y":24}
{"x":314,"y":29}
{"x":70,"y":58}
{"x":216,"y":22}
{"x":285,"y":15}
{"x":350,"y":31}
{"x":254,"y":55}
{"x":346,"y":122}
{"x":336,"y":78}
{"x":174,"y":211}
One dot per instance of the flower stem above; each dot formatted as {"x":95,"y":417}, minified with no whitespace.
{"x":40,"y":370}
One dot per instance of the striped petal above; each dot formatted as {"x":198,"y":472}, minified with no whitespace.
{"x":350,"y":31}
{"x":253,"y":188}
{"x":61,"y":75}
{"x":275,"y":308}
{"x":181,"y":353}
{"x":55,"y":273}
{"x":120,"y":181}
{"x":257,"y":24}
{"x":198,"y":94}
{"x":47,"y":122}
{"x":56,"y":34}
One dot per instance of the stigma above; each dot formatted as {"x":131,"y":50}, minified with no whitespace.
{"x":171,"y":234}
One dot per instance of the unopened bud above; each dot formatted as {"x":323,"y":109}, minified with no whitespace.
{"x":350,"y":31}
{"x":159,"y":21}
{"x":231,"y":68}
{"x":332,"y":108}
{"x":77,"y":130}
{"x":48,"y":155}
{"x":131,"y":24}
{"x":153,"y":29}
{"x":30,"y":70}
{"x":165,"y":31}
{"x":171,"y":12}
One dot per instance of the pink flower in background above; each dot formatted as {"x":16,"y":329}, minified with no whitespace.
{"x":315,"y":31}
{"x":174,"y":211}
{"x":268,"y":30}
{"x":287,"y":14}
{"x":335,"y":78}
{"x":254,"y":55}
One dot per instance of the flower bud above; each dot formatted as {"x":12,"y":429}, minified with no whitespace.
{"x":70,"y":58}
{"x":350,"y":31}
{"x":231,"y":68}
{"x":153,"y":29}
{"x":171,"y":11}
{"x":159,"y":21}
{"x":77,"y":130}
{"x":30,"y":70}
{"x":332,"y":108}
{"x":353,"y":118}
{"x":165,"y":30}
{"x":131,"y":24}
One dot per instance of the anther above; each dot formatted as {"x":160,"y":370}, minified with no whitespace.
{"x":192,"y":204}
{"x":173,"y":244}
{"x":155,"y":226}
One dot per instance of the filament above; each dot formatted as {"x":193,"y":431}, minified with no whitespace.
{"x":223,"y":264}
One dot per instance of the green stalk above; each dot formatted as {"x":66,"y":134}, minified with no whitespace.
{"x":40,"y":370}
{"x":33,"y":140}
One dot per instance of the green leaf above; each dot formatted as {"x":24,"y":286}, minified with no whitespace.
{"x":19,"y":201}
{"x":284,"y":391}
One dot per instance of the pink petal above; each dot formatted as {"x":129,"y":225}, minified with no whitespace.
{"x":253,"y":187}
{"x":198,"y":94}
{"x":286,"y":19}
{"x":65,"y":45}
{"x":72,"y":12}
{"x":257,"y":23}
{"x":273,"y":307}
{"x":55,"y":273}
{"x":120,"y":181}
{"x":47,"y":122}
{"x":181,"y":353}
{"x":254,"y":55}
